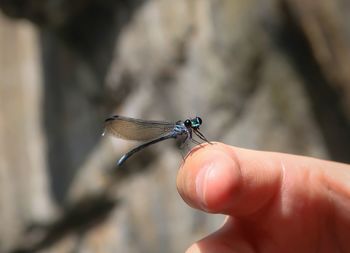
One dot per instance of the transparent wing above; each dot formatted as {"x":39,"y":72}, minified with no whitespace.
{"x":136,"y":129}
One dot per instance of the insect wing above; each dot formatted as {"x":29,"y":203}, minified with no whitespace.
{"x":136,"y":129}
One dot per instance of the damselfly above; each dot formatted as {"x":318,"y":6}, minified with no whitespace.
{"x":151,"y":132}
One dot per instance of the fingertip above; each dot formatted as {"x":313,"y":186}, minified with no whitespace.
{"x":193,"y":249}
{"x":208,"y":245}
{"x":219,"y":178}
{"x":209,"y":177}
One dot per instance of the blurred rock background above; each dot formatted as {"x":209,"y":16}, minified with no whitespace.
{"x":268,"y":74}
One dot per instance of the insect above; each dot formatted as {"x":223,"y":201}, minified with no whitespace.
{"x":151,"y":131}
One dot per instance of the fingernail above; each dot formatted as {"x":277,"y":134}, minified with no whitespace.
{"x":215,"y":183}
{"x":202,"y":182}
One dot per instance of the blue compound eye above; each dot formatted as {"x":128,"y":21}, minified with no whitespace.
{"x":187,"y":123}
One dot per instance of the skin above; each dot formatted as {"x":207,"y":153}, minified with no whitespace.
{"x":274,"y":202}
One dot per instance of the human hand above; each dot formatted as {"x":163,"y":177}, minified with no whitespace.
{"x":275,"y":202}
